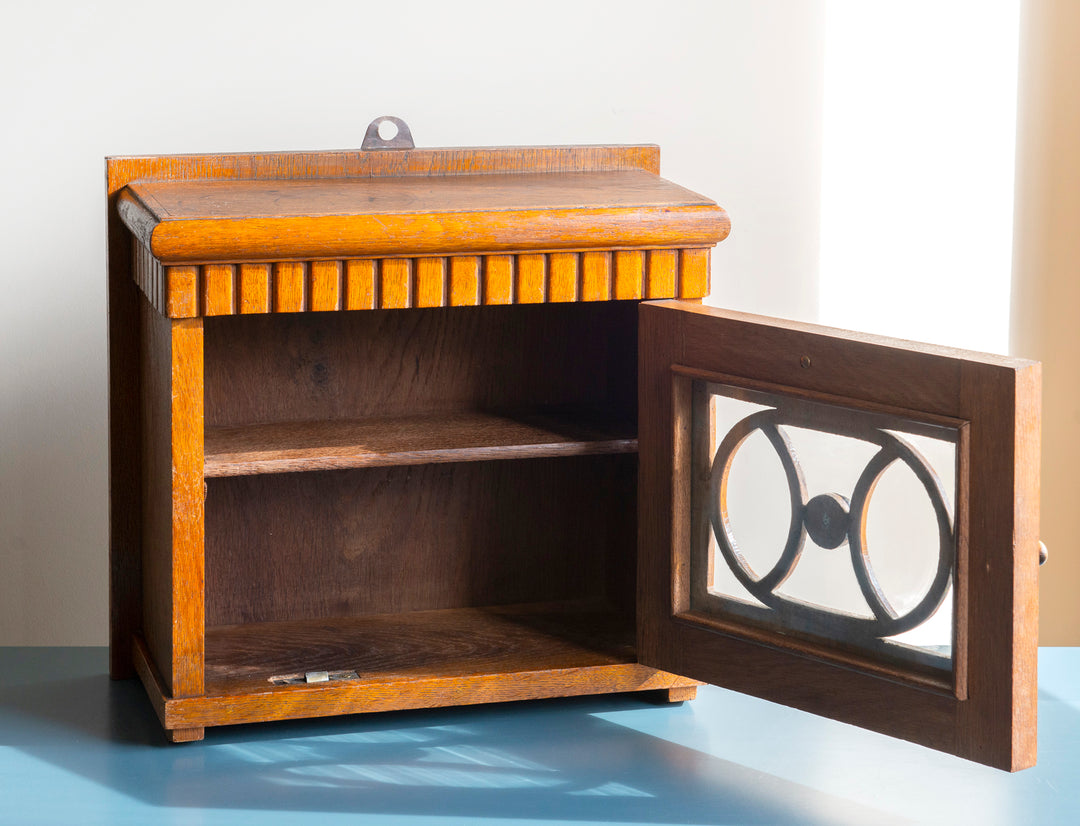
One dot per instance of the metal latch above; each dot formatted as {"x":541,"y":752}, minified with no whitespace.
{"x":309,"y":677}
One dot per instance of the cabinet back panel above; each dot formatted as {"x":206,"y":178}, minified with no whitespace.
{"x":384,"y":540}
{"x":348,"y":365}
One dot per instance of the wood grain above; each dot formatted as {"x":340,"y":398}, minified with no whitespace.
{"x":408,"y":440}
{"x":531,"y":279}
{"x":680,"y":694}
{"x":430,"y":282}
{"x":360,"y":285}
{"x":399,"y":539}
{"x":290,"y":287}
{"x":218,"y":221}
{"x":172,"y":496}
{"x":595,"y":276}
{"x":464,"y":281}
{"x":694,"y":275}
{"x":326,"y":286}
{"x":420,"y":660}
{"x":351,"y":163}
{"x":662,"y":274}
{"x":477,"y":533}
{"x":996,"y":645}
{"x":629,"y":275}
{"x":254,"y":288}
{"x":498,"y":279}
{"x":181,"y":290}
{"x":563,"y":276}
{"x":426,"y":361}
{"x":218,"y":289}
{"x":434,"y":281}
{"x":461,"y":641}
{"x":124,"y":404}
{"x":395,"y":283}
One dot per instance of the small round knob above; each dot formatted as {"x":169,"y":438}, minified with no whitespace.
{"x":827,"y":520}
{"x":1043,"y":553}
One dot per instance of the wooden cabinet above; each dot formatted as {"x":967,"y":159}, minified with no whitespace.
{"x":400,"y":428}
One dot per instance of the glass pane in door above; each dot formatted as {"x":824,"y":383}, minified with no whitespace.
{"x":826,"y":523}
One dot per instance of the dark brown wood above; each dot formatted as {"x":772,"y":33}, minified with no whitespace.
{"x":424,"y":361}
{"x":420,"y":644}
{"x":400,"y":539}
{"x":407,"y":440}
{"x":125,"y":488}
{"x":996,"y":607}
{"x":246,"y":220}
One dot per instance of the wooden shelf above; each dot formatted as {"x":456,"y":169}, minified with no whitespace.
{"x":419,"y":645}
{"x":284,"y":447}
{"x":413,"y":660}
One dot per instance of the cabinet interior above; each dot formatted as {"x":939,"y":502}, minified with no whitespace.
{"x":439,"y":492}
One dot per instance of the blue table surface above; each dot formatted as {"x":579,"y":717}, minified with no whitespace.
{"x":77,"y":748}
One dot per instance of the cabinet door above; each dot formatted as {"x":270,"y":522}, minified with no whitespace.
{"x":842,"y":523}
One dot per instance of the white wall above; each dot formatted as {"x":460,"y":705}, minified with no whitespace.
{"x":734,"y":91}
{"x":730,"y":90}
{"x":919,"y":126}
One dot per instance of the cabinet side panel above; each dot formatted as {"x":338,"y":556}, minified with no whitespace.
{"x":156,"y":598}
{"x":172,"y":496}
{"x":125,"y":491}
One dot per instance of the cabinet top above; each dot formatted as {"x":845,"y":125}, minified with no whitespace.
{"x":210,"y":221}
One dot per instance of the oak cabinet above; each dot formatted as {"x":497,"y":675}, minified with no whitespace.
{"x":402,"y":428}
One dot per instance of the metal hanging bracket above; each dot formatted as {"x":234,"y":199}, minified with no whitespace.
{"x":402,"y":139}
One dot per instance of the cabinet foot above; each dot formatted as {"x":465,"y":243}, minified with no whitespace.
{"x":185,"y":735}
{"x":678,"y":695}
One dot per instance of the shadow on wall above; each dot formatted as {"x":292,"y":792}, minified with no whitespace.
{"x":53,"y":496}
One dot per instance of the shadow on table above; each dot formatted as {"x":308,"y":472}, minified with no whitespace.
{"x":550,"y":759}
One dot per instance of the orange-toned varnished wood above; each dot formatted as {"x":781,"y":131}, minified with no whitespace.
{"x":337,"y":423}
{"x":499,"y":654}
{"x":172,"y":496}
{"x":394,"y":283}
{"x":289,"y":287}
{"x":464,"y":286}
{"x":254,"y":288}
{"x":360,"y":284}
{"x":431,"y":283}
{"x":179,"y":298}
{"x":326,"y":286}
{"x":531,"y":285}
{"x":988,"y":716}
{"x":226,"y":221}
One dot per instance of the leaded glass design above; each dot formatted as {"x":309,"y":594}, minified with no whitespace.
{"x":826,"y":523}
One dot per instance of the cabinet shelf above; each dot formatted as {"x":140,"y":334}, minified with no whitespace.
{"x":419,"y":645}
{"x":284,"y":447}
{"x":411,"y":660}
